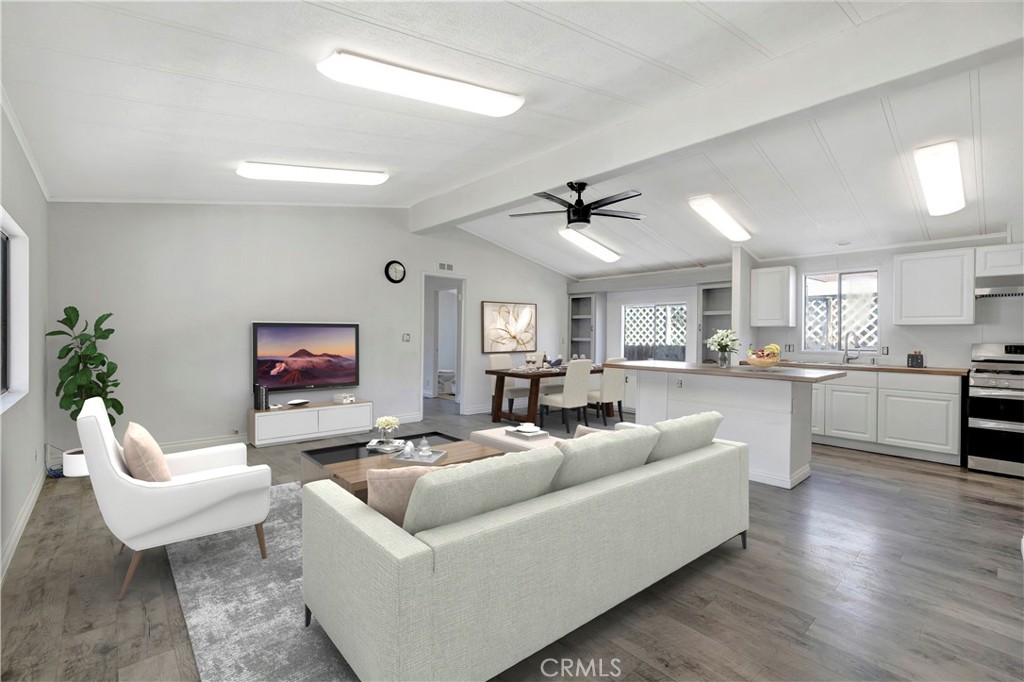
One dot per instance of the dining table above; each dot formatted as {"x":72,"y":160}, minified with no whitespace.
{"x":534,"y":376}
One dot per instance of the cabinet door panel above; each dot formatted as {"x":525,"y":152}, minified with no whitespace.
{"x":1004,"y":259}
{"x":851,"y":412}
{"x":271,"y":426}
{"x":773,"y":297}
{"x":934,"y":288}
{"x":914,"y":419}
{"x":346,"y":418}
{"x":817,"y":409}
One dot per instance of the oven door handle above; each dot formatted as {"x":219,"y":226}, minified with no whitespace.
{"x":991,"y":424}
{"x":1000,"y":393}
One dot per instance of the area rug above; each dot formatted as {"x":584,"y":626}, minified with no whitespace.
{"x":244,"y":614}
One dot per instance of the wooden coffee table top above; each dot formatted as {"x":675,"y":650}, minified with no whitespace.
{"x":351,"y":474}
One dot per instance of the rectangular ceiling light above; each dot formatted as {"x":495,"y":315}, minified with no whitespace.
{"x":938,"y":169}
{"x":336,"y":176}
{"x":710,"y":211}
{"x":366,"y":73}
{"x":589,"y":245}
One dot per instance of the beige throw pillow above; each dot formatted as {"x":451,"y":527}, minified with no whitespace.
{"x":143,"y":457}
{"x":582,"y":430}
{"x":601,"y":455}
{"x":388,"y":490}
{"x":684,"y":434}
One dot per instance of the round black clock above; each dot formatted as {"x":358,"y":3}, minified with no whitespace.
{"x":394,"y":271}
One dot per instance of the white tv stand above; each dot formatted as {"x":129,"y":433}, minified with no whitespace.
{"x":309,"y":422}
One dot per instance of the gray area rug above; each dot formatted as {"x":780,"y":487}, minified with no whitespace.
{"x":244,"y":615}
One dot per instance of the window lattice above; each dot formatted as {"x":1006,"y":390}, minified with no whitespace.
{"x":655,"y":331}
{"x":821,"y":321}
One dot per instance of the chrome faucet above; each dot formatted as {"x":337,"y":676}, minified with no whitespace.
{"x":847,"y":358}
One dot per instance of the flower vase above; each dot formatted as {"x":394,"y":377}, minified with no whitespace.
{"x":724,"y":358}
{"x":386,"y":436}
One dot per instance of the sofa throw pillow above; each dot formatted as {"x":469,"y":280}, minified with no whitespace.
{"x":602,"y":455}
{"x":388,"y":490}
{"x":143,"y":457}
{"x":582,"y":430}
{"x":452,"y":494}
{"x":684,"y":434}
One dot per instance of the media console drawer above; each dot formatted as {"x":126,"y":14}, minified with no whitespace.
{"x":316,"y":420}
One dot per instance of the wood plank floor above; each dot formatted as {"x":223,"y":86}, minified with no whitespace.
{"x":874,"y":568}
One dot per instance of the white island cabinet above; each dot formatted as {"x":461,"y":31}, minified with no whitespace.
{"x":770,"y":410}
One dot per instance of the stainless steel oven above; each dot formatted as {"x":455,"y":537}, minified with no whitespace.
{"x":995,"y":408}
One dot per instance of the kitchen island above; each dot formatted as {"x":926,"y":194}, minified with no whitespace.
{"x":769,"y":409}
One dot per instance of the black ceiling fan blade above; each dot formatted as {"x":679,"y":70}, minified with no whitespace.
{"x":619,"y":214}
{"x":614,"y":199}
{"x":551,"y":197}
{"x":519,"y":215}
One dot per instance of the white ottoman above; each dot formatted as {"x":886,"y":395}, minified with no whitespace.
{"x":498,"y":439}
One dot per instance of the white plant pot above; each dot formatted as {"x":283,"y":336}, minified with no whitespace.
{"x":74,"y":463}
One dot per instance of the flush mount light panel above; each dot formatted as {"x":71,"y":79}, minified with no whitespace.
{"x":710,"y":211}
{"x":366,"y":73}
{"x":587,"y":244}
{"x":336,"y":176}
{"x":938,"y":168}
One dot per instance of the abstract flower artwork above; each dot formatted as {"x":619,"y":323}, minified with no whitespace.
{"x":509,"y":327}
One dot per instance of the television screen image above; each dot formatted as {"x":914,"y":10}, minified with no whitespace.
{"x":293,"y":356}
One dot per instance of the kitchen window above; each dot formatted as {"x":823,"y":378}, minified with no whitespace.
{"x":837,"y":304}
{"x":654,"y":331}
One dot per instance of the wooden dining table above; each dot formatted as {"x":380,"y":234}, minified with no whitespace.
{"x":534,"y":376}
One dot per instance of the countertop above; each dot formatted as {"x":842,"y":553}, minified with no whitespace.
{"x":864,"y":367}
{"x":780,"y":373}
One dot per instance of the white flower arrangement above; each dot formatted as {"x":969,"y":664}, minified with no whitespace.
{"x":724,"y":341}
{"x":388,"y":423}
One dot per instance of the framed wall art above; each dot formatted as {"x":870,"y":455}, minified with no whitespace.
{"x":509,"y":327}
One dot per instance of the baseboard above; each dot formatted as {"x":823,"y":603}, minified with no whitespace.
{"x":781,"y":481}
{"x":7,"y":554}
{"x":196,"y":443}
{"x":886,"y":449}
{"x":476,"y":409}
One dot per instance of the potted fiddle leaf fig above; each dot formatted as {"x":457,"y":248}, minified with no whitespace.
{"x":86,"y":373}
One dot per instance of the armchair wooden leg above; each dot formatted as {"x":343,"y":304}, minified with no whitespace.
{"x":136,"y":559}
{"x":263,"y":541}
{"x":309,"y":615}
{"x":121,"y":551}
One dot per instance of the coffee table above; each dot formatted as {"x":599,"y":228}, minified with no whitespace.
{"x":347,"y":465}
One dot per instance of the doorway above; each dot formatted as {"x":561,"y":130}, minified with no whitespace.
{"x":442,"y":339}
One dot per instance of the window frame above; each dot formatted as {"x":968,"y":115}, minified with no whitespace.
{"x":661,"y":304}
{"x":839,"y":292}
{"x":17,"y":317}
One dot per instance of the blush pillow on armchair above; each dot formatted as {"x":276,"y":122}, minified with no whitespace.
{"x":143,"y":457}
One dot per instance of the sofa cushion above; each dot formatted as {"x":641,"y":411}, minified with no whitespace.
{"x":388,"y":490}
{"x":582,"y":430}
{"x":452,"y":494}
{"x":603,"y":454}
{"x":684,"y":434}
{"x":143,"y":456}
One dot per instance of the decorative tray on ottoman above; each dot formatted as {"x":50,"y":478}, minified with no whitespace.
{"x":416,"y":458}
{"x":528,"y":435}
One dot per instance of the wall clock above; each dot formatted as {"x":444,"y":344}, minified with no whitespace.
{"x":394,"y":271}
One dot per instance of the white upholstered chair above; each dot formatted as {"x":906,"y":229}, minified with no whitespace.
{"x":612,"y":390}
{"x":211,"y":490}
{"x":512,"y":391}
{"x":574,"y":392}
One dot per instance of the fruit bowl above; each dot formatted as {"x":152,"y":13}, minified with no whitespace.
{"x":762,"y":363}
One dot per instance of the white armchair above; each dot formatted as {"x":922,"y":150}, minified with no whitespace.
{"x":211,"y":490}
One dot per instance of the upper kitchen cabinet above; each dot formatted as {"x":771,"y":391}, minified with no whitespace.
{"x":934,"y":288}
{"x":773,"y":297}
{"x":995,"y":261}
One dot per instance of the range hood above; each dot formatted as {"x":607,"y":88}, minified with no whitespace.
{"x":999,"y":287}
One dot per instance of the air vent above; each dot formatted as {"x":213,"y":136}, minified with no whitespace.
{"x":999,"y":292}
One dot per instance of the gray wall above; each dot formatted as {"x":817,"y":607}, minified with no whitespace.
{"x":185,"y":281}
{"x":22,"y":426}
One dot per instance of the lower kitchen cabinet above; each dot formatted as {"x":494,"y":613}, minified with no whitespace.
{"x":851,"y":412}
{"x":817,"y":409}
{"x":913,"y":419}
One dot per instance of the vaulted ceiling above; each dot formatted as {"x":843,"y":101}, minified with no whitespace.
{"x":161,"y":101}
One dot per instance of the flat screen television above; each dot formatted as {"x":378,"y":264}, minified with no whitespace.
{"x":289,"y":356}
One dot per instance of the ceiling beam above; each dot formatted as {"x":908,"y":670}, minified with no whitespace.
{"x":897,"y":49}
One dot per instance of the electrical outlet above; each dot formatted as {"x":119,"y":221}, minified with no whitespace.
{"x":885,"y":350}
{"x":679,"y":383}
{"x":406,"y":338}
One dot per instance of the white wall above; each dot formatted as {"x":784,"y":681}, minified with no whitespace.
{"x":447,"y":329}
{"x":440,"y":347}
{"x":996,"y":320}
{"x":22,"y":431}
{"x":618,"y":299}
{"x":185,"y":281}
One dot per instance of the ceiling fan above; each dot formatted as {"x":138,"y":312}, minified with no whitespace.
{"x":577,"y":212}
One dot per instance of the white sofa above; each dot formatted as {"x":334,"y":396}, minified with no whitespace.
{"x":468,"y":598}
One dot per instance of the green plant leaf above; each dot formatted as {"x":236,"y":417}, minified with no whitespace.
{"x":66,"y":402}
{"x":68,"y":370}
{"x":111,"y":368}
{"x":116,"y":405}
{"x":63,"y":352}
{"x":71,"y":317}
{"x":97,"y":327}
{"x":58,"y":332}
{"x":84,"y":376}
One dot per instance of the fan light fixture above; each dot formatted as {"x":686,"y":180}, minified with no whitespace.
{"x":572,"y":234}
{"x":710,"y":211}
{"x":276,"y":171}
{"x":366,"y":73}
{"x":938,"y":169}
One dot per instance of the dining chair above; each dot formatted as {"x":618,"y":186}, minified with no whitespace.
{"x":211,"y":490}
{"x":612,"y":390}
{"x":512,"y":390}
{"x":573,"y":395}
